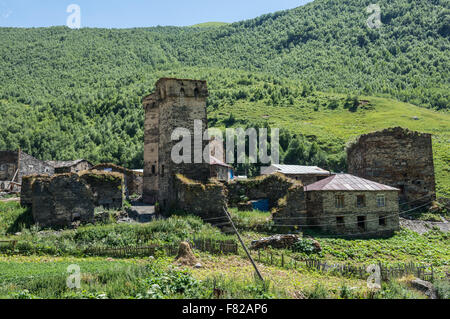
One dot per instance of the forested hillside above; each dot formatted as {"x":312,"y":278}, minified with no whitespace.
{"x":68,"y":94}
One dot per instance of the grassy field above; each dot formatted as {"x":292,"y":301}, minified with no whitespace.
{"x":38,"y":266}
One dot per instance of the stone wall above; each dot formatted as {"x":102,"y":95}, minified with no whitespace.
{"x":11,"y":161}
{"x":399,"y":158}
{"x":60,"y":200}
{"x":323,"y":213}
{"x":273,"y":187}
{"x":106,"y":187}
{"x":204,"y":200}
{"x":176,"y":103}
{"x":133,"y":180}
{"x":291,"y":209}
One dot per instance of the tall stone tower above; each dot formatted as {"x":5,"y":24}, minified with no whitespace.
{"x":399,"y":158}
{"x":176,"y":103}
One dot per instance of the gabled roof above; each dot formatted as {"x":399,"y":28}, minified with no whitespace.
{"x":215,"y":161}
{"x":347,"y":182}
{"x":298,"y":169}
{"x":60,"y":164}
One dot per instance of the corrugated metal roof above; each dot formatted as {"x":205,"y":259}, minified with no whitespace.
{"x":347,"y":182}
{"x":298,"y":169}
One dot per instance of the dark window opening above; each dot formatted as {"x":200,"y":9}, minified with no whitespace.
{"x":153,"y":169}
{"x":196,"y":93}
{"x":362,"y":222}
{"x":162,"y":170}
{"x":340,"y":222}
{"x":382,"y":221}
{"x":339,"y":201}
{"x":182,"y":92}
{"x":361,"y":201}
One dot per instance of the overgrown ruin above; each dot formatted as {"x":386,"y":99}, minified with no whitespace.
{"x":399,"y":158}
{"x":60,"y":200}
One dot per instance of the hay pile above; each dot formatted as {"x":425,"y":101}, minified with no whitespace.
{"x":185,"y":255}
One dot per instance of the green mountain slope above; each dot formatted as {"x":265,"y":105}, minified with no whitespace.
{"x":67,"y":94}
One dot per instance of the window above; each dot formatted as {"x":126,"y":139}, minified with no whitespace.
{"x":381,"y":201}
{"x":362,"y":222}
{"x":361,"y":201}
{"x":153,"y":169}
{"x":162,"y":170}
{"x":196,"y":93}
{"x":339,"y":201}
{"x":340,"y":222}
{"x":382,"y":221}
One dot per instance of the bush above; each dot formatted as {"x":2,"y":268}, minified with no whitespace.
{"x":305,"y":246}
{"x":442,"y":288}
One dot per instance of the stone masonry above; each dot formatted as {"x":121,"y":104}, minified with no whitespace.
{"x":176,"y":103}
{"x":399,"y":158}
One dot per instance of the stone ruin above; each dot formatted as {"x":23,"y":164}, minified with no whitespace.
{"x":133,"y":179}
{"x":176,"y":103}
{"x":399,"y":158}
{"x":60,"y":200}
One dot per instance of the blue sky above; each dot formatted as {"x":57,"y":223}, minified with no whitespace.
{"x":136,"y":13}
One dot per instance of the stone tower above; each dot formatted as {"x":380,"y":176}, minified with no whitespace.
{"x":176,"y":103}
{"x":399,"y":158}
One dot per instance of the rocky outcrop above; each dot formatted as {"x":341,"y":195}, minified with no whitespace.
{"x":426,"y":287}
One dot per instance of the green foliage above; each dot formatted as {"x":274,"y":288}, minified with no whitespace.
{"x":442,"y":288}
{"x":305,"y":246}
{"x":14,"y":218}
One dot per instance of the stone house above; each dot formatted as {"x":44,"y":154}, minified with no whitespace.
{"x":133,"y":179}
{"x":74,"y":166}
{"x":220,"y":170}
{"x":306,"y":174}
{"x":16,"y":164}
{"x":348,"y":205}
{"x":397,"y":157}
{"x":176,"y":103}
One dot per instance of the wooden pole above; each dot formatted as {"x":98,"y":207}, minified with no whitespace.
{"x":243,"y":245}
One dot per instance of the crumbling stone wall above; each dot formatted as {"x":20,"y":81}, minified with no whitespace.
{"x":176,"y":103}
{"x":204,"y":200}
{"x":273,"y":187}
{"x":399,"y":158}
{"x":106,"y":187}
{"x":133,"y":180}
{"x":291,"y":209}
{"x":59,"y":200}
{"x":26,"y":192}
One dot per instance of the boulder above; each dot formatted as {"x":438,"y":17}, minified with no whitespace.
{"x":277,"y":241}
{"x":425,"y":286}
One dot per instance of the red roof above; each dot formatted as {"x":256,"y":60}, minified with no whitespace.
{"x":347,"y":182}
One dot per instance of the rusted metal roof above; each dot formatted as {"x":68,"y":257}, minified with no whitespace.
{"x":347,"y":182}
